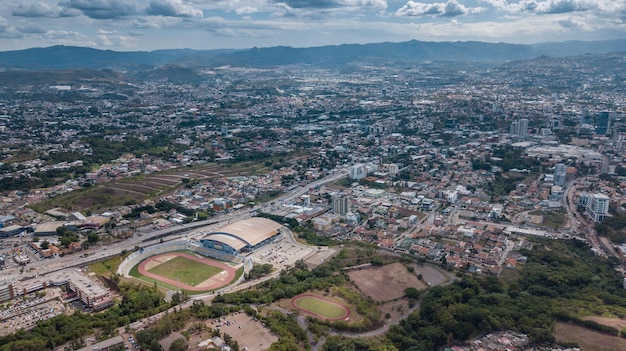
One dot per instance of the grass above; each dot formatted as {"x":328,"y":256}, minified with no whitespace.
{"x":107,"y":267}
{"x":321,"y":307}
{"x":587,"y":339}
{"x":551,"y":219}
{"x":185,"y":270}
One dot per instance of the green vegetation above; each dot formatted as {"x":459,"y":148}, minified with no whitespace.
{"x":259,"y":271}
{"x":320,"y":307}
{"x":614,"y":227}
{"x":296,"y":280}
{"x":108,"y":267}
{"x":312,"y":238}
{"x":290,"y":336}
{"x":185,"y":270}
{"x":562,"y":279}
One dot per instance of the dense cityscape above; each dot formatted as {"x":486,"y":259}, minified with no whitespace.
{"x":461,"y":172}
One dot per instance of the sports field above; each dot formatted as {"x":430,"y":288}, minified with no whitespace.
{"x":184,"y":270}
{"x":320,"y":307}
{"x":179,"y":270}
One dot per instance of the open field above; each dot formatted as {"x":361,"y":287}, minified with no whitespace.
{"x":136,"y":189}
{"x":184,"y":270}
{"x":616,"y":323}
{"x":551,"y":219}
{"x":587,"y":339}
{"x":320,"y":307}
{"x":226,"y":275}
{"x":107,"y":267}
{"x":386,"y":283}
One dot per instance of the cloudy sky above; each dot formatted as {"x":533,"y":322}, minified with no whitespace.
{"x":125,"y":25}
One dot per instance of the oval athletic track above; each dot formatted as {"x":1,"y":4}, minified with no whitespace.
{"x":293,"y":304}
{"x":215,"y":284}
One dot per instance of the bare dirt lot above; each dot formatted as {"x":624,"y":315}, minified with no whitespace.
{"x":588,"y":340}
{"x":386,"y":283}
{"x":243,"y":328}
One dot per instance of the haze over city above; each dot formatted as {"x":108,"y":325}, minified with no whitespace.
{"x":201,"y":24}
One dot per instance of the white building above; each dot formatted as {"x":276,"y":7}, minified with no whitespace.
{"x":358,"y":171}
{"x":598,"y":207}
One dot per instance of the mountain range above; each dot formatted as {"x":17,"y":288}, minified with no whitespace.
{"x":70,"y":57}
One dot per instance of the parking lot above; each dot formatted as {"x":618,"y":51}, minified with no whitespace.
{"x":250,"y":333}
{"x":281,"y":254}
{"x":26,"y":314}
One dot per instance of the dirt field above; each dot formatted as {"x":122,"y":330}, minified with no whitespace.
{"x":243,"y":328}
{"x":214,"y":282}
{"x":386,"y":283}
{"x":588,"y":340}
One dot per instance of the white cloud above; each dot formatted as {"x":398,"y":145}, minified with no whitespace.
{"x":564,"y":6}
{"x":8,"y":31}
{"x":452,"y":8}
{"x":172,"y":8}
{"x":246,"y":10}
{"x":155,"y":22}
{"x":101,"y":9}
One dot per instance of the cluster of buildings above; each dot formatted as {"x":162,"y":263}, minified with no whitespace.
{"x":450,"y":165}
{"x":80,"y":287}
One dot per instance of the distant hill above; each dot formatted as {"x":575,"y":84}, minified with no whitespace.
{"x":68,"y":57}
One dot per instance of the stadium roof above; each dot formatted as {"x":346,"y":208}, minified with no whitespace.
{"x":229,"y":240}
{"x":251,"y":231}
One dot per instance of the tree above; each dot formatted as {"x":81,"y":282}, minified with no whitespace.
{"x":412,"y":293}
{"x":45,"y":245}
{"x":93,"y":237}
{"x":178,"y":345}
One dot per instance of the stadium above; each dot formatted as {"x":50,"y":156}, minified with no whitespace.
{"x":228,"y":244}
{"x":244,"y":236}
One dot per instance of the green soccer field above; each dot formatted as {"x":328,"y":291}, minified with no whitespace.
{"x":185,"y":270}
{"x":321,"y":307}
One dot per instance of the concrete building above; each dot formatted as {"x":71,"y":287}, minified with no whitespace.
{"x":6,"y":291}
{"x":519,"y":128}
{"x":357,"y":171}
{"x":603,"y":123}
{"x":11,"y":230}
{"x":598,"y":207}
{"x":560,"y":174}
{"x":341,"y":205}
{"x":114,"y":343}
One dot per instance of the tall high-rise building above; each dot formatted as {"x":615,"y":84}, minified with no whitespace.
{"x":358,"y":171}
{"x":519,"y":128}
{"x":341,"y":205}
{"x":598,"y":207}
{"x":560,"y":174}
{"x":603,"y":123}
{"x":523,"y":127}
{"x":514,"y":128}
